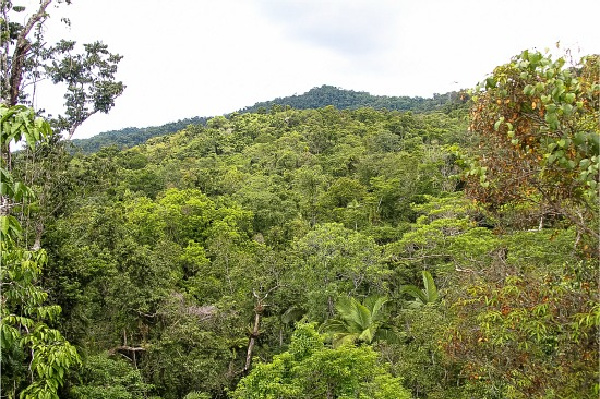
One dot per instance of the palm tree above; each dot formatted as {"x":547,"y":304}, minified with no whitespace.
{"x":423,"y":296}
{"x":356,"y":322}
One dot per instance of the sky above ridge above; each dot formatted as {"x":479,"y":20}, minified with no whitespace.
{"x":185,"y":58}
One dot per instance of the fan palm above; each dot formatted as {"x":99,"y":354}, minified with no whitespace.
{"x":424,"y":296}
{"x":356,"y":322}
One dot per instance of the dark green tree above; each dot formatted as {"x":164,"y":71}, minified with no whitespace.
{"x":35,"y":357}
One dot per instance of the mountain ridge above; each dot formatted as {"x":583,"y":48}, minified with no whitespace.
{"x":317,"y":97}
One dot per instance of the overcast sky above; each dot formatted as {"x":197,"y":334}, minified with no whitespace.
{"x":185,"y":58}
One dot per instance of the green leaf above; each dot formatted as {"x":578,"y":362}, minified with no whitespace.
{"x":376,"y":305}
{"x":580,"y":137}
{"x":415,"y":292}
{"x":570,"y":98}
{"x":539,"y":86}
{"x":584,"y":163}
{"x":430,"y":288}
{"x":567,"y":109}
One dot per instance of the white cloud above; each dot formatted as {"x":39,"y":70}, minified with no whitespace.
{"x":352,"y":28}
{"x":187,"y":58}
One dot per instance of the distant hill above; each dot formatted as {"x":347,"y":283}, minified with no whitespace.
{"x":315,"y":98}
{"x":131,"y":136}
{"x":349,"y":99}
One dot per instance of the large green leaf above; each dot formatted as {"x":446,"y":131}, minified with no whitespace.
{"x":430,"y":288}
{"x":376,"y":304}
{"x":415,"y":292}
{"x":427,"y":295}
{"x":364,"y":316}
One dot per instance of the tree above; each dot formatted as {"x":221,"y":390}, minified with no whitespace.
{"x":537,"y":122}
{"x":310,"y":370}
{"x":25,"y":59}
{"x":526,"y":322}
{"x":108,"y":378}
{"x":35,"y":357}
{"x":333,"y":260}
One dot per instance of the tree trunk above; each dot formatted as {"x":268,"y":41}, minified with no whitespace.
{"x":253,"y":336}
{"x":19,"y":56}
{"x":258,"y":309}
{"x":330,"y":306}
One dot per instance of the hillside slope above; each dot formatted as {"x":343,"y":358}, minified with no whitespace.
{"x":315,"y":98}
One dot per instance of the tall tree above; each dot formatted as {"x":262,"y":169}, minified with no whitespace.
{"x":25,"y":59}
{"x":35,"y":357}
{"x":532,"y":313}
{"x":537,"y":121}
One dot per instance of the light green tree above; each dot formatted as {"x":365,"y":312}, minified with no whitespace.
{"x":310,"y":370}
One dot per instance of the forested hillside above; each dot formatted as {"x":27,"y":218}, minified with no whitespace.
{"x":349,"y":99}
{"x":131,"y":136}
{"x":315,"y":98}
{"x":305,"y":253}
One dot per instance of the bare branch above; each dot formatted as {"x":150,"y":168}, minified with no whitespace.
{"x":76,"y":125}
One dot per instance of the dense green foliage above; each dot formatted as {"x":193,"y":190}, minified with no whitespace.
{"x":323,"y":96}
{"x":131,"y":136}
{"x":35,"y":357}
{"x":317,"y":97}
{"x":310,"y":370}
{"x":166,"y":253}
{"x":332,"y":253}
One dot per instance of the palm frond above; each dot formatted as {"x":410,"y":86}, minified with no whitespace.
{"x":377,"y":304}
{"x":430,"y":288}
{"x":415,"y":292}
{"x":294,"y":313}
